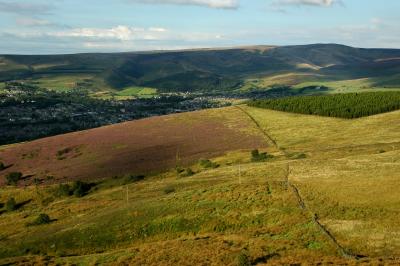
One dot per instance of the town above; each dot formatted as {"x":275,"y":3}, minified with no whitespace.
{"x":28,"y":112}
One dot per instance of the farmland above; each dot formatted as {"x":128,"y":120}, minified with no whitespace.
{"x":241,"y":211}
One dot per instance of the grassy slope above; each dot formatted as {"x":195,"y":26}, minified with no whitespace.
{"x":223,"y":215}
{"x":350,"y":176}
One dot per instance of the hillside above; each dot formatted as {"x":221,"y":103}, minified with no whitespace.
{"x":138,"y":147}
{"x":256,"y":67}
{"x":327,"y":195}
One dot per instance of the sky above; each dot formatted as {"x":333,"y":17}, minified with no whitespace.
{"x":76,"y":26}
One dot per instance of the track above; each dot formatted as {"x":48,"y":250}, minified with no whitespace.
{"x":302,"y":205}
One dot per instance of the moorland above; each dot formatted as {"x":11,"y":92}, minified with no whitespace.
{"x":299,"y":164}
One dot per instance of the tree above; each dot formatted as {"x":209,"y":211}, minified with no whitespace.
{"x":13,"y":178}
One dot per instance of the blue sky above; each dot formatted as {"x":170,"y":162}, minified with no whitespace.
{"x":71,"y":26}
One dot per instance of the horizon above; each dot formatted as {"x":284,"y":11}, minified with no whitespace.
{"x":37,"y":27}
{"x":216,"y":48}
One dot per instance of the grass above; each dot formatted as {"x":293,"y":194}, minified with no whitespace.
{"x":211,"y":209}
{"x":241,"y":212}
{"x":347,"y":164}
{"x":355,"y":85}
{"x":141,"y":92}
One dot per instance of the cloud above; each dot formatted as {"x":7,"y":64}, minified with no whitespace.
{"x":32,"y":22}
{"x":316,"y":3}
{"x":220,"y":4}
{"x":121,"y":33}
{"x":15,"y":7}
{"x":120,"y":38}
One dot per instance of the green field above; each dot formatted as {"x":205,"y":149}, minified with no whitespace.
{"x":240,"y":213}
{"x":140,"y":92}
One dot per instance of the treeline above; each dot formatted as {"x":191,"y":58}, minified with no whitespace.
{"x":352,"y":105}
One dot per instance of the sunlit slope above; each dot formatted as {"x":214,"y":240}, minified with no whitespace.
{"x":228,"y":215}
{"x":350,"y":175}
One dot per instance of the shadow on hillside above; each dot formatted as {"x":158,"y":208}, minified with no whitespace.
{"x":6,"y":167}
{"x":22,"y":204}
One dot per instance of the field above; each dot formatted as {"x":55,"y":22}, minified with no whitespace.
{"x":327,"y":195}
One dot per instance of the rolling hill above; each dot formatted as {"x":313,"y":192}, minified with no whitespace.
{"x":327,"y":194}
{"x":206,"y":69}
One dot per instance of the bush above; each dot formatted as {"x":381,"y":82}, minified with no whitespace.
{"x":42,"y":219}
{"x":208,"y":164}
{"x":2,"y":166}
{"x":189,"y":172}
{"x":64,"y":190}
{"x":132,"y":179}
{"x":80,"y":188}
{"x":256,"y":156}
{"x":179,"y":170}
{"x":11,"y":205}
{"x":13,"y":178}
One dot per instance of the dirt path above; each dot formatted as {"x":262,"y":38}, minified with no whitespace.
{"x":302,"y":205}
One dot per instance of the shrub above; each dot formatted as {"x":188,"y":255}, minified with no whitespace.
{"x":208,"y":164}
{"x":63,"y":190}
{"x":189,"y":172}
{"x":80,"y":188}
{"x":256,"y":156}
{"x":169,"y":190}
{"x":42,"y":219}
{"x":13,"y":178}
{"x":186,"y":173}
{"x":64,"y":151}
{"x":11,"y":205}
{"x":2,"y":166}
{"x":179,"y":170}
{"x":132,"y":179}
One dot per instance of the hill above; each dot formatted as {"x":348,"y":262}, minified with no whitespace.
{"x":257,"y":67}
{"x":137,"y":147}
{"x":326,"y":192}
